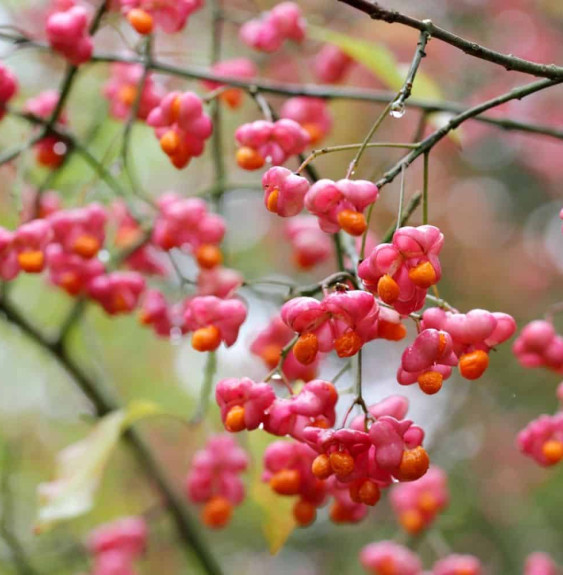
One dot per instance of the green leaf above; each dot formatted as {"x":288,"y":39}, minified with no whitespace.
{"x":277,"y":510}
{"x":80,"y":467}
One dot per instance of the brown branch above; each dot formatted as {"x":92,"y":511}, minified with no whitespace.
{"x":507,"y":61}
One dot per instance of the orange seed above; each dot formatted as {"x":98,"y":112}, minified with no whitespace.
{"x":391,"y":331}
{"x":423,"y":275}
{"x":553,"y":451}
{"x":208,"y":256}
{"x":249,"y":158}
{"x":472,"y":365}
{"x":31,"y":261}
{"x":170,"y":143}
{"x":414,"y":464}
{"x":388,"y":289}
{"x":306,"y":348}
{"x":86,"y":246}
{"x":206,"y":338}
{"x":304,"y":513}
{"x":234,"y":421}
{"x":286,"y":482}
{"x":272,"y":201}
{"x":430,"y":382}
{"x":411,"y":521}
{"x":348,"y":344}
{"x":342,"y":463}
{"x":217,"y":512}
{"x":353,"y":223}
{"x":141,"y":21}
{"x":321,"y":467}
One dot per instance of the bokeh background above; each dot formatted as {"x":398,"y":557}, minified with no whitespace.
{"x":496,"y":196}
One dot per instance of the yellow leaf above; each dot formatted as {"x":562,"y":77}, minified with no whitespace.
{"x":80,"y":467}
{"x":277,"y":510}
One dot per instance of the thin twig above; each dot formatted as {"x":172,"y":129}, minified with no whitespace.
{"x":425,"y":189}
{"x":346,"y":147}
{"x":407,"y":213}
{"x":401,"y":199}
{"x":346,"y":367}
{"x":405,"y":92}
{"x":73,"y":316}
{"x":379,"y":120}
{"x":331,"y":280}
{"x":219,"y":171}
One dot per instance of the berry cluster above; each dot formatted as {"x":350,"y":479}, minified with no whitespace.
{"x":337,"y":205}
{"x":351,"y":464}
{"x":274,"y":142}
{"x":448,"y":339}
{"x":182,"y":127}
{"x":214,"y":480}
{"x":69,"y":244}
{"x":273,"y":28}
{"x":145,"y":15}
{"x":237,"y":68}
{"x":538,"y":345}
{"x":67,"y":32}
{"x":388,"y":557}
{"x":418,"y":503}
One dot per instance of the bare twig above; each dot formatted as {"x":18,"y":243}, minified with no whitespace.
{"x":405,"y":92}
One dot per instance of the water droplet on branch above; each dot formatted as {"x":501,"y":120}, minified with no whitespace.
{"x":397,"y":110}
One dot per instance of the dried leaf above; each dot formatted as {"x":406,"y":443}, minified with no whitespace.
{"x":80,"y":467}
